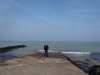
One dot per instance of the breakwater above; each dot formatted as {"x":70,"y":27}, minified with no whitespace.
{"x":9,"y":48}
{"x":87,"y":61}
{"x":76,"y":64}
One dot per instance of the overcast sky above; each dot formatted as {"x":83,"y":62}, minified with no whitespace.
{"x":50,"y":20}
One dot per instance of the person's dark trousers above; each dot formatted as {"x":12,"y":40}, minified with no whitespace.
{"x":46,"y":53}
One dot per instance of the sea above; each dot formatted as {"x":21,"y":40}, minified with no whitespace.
{"x":84,"y":53}
{"x":61,"y":46}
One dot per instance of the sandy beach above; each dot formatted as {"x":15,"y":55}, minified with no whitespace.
{"x":38,"y":64}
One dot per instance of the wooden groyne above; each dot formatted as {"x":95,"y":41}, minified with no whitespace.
{"x":9,"y":48}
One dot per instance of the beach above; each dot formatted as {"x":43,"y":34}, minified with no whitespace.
{"x":38,"y":64}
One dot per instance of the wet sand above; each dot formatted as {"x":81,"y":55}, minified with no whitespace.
{"x":38,"y":64}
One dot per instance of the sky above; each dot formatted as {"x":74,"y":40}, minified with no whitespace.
{"x":50,"y":20}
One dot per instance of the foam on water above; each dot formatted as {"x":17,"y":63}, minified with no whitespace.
{"x":80,"y":53}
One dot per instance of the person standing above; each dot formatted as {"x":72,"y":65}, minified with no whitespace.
{"x":46,"y":47}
